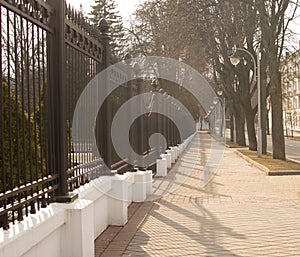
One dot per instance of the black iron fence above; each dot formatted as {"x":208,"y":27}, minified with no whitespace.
{"x":48,"y":54}
{"x":26,"y":180}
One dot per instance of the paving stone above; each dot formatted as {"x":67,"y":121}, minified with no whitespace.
{"x":241,"y":212}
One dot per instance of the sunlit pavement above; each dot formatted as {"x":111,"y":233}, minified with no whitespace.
{"x":241,"y":212}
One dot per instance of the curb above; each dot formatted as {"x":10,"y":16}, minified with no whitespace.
{"x":235,"y":146}
{"x":114,"y":240}
{"x":289,"y":159}
{"x":267,"y":171}
{"x":225,"y":144}
{"x":254,"y":163}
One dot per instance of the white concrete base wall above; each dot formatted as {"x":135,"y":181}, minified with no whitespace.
{"x":70,"y":229}
{"x":176,"y":151}
{"x":139,"y":188}
{"x":149,"y":181}
{"x":161,"y":167}
{"x":168,"y":157}
{"x":173,"y":157}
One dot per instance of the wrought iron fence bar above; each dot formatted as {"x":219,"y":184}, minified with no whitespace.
{"x":35,"y":143}
{"x":69,"y":103}
{"x":97,"y":162}
{"x":28,"y":186}
{"x":98,"y":59}
{"x":24,"y":201}
{"x":17,"y":109}
{"x":79,"y":39}
{"x":22,"y":84}
{"x":119,"y":163}
{"x":77,"y":79}
{"x":78,"y":20}
{"x":81,"y":174}
{"x":29,"y":109}
{"x":20,"y":9}
{"x":4,"y":224}
{"x":26,"y":178}
{"x":85,"y":82}
{"x":72,"y":89}
{"x":9,"y":92}
{"x":57,"y":96}
{"x":40,"y":99}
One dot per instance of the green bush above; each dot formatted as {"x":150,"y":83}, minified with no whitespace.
{"x":21,"y":160}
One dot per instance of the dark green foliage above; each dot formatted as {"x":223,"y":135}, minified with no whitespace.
{"x":108,"y":9}
{"x":20,"y":152}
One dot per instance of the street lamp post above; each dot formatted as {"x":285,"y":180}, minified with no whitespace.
{"x":213,"y":119}
{"x":222,"y":99}
{"x":235,"y":60}
{"x":216,"y":107}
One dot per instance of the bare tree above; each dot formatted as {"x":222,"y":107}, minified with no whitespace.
{"x":202,"y":33}
{"x":273,"y":21}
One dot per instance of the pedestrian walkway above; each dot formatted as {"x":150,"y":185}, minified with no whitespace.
{"x":241,"y":212}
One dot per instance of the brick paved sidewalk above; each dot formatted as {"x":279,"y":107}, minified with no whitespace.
{"x":241,"y":212}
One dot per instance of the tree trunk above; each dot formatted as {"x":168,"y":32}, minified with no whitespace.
{"x":264,"y":124}
{"x":231,"y":128}
{"x":268,"y":122}
{"x":273,"y":32}
{"x":240,"y":128}
{"x":251,"y":131}
{"x":277,"y":117}
{"x":264,"y":113}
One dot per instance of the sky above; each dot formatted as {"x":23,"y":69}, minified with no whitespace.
{"x":126,"y":7}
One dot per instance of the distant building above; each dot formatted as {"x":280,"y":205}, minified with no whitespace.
{"x":290,"y":80}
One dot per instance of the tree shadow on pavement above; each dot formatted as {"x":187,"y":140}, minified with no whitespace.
{"x":211,"y":230}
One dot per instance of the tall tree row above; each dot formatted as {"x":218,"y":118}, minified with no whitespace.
{"x":164,"y":28}
{"x":228,"y":24}
{"x":273,"y":23}
{"x":203,"y":33}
